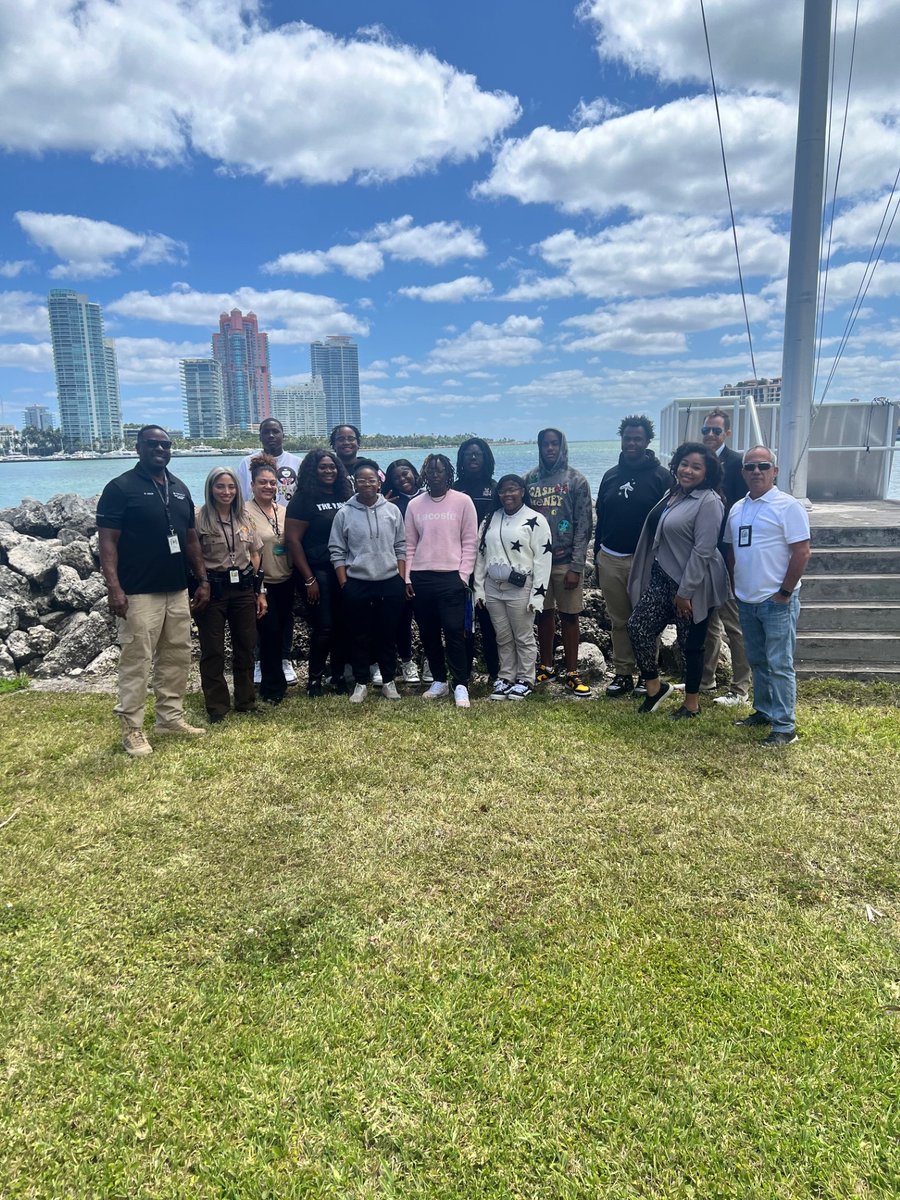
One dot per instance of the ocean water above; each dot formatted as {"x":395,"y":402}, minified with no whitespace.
{"x":87,"y":477}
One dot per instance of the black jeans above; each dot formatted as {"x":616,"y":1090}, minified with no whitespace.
{"x":652,"y":613}
{"x":278,"y":618}
{"x":440,"y":608}
{"x":327,"y":629}
{"x":372,"y":608}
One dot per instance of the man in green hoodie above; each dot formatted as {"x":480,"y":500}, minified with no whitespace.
{"x":563,"y":496}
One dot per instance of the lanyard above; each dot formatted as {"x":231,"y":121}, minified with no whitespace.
{"x":163,"y":493}
{"x":273,"y":521}
{"x":230,"y":546}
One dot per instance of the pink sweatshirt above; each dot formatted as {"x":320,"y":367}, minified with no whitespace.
{"x":441,"y":535}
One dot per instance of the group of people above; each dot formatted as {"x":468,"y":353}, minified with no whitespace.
{"x":709,"y":545}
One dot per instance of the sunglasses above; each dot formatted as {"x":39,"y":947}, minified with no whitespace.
{"x":757,"y":466}
{"x":716,"y":429}
{"x":157,"y":444}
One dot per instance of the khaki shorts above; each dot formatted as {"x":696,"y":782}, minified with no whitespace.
{"x":558,"y":598}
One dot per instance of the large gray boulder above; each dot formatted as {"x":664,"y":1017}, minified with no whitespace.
{"x":72,"y":591}
{"x":13,"y":586}
{"x":7,"y":665}
{"x":9,"y":537}
{"x":591,"y":660}
{"x":85,"y":637}
{"x":34,"y":559}
{"x":9,"y":616}
{"x":30,"y":517}
{"x":72,"y":512}
{"x":26,"y":646}
{"x":77,"y":554}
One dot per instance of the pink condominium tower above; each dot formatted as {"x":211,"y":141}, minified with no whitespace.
{"x":243,"y":353}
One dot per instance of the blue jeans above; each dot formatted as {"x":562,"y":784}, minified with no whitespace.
{"x":770,"y":635}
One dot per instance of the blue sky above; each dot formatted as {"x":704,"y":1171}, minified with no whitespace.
{"x":517,"y":208}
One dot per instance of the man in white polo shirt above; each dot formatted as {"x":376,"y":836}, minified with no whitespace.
{"x":767,"y":544}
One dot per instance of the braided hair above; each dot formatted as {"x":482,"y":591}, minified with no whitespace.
{"x":448,"y":467}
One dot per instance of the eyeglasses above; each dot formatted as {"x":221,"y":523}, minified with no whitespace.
{"x":757,"y":466}
{"x":716,"y":429}
{"x":157,"y":444}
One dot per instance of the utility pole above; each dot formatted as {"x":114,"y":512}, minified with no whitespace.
{"x":803,"y":264}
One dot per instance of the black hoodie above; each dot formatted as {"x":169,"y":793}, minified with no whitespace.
{"x":481,"y":490}
{"x":627,"y":493}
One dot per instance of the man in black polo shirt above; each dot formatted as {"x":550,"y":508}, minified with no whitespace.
{"x":147,"y":541}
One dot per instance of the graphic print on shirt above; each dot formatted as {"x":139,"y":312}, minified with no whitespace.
{"x":625,"y":489}
{"x":547,"y":498}
{"x":287,"y":482}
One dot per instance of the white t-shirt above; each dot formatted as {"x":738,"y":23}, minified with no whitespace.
{"x":287,"y":467}
{"x":776,"y":521}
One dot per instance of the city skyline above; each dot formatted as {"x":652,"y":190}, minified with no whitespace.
{"x":515,"y":221}
{"x":87,"y":378}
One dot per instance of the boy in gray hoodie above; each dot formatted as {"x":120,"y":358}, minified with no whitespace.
{"x":368,"y":553}
{"x":563,"y":496}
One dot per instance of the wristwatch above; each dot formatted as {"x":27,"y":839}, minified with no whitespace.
{"x":784,"y":592}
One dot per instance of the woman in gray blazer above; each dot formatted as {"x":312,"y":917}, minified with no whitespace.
{"x":678,"y":575}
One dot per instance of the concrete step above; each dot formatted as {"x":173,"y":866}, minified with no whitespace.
{"x":856,"y":535}
{"x":871,"y":589}
{"x":848,"y":616}
{"x":877,"y":648}
{"x":855,"y":560}
{"x":889,"y":673}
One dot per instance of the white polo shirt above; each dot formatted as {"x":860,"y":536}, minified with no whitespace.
{"x":776,"y":522}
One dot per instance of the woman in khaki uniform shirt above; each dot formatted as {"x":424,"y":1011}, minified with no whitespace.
{"x":231,"y":555}
{"x":266,"y":517}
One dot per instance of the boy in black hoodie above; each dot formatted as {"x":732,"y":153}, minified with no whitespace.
{"x":628,"y":491}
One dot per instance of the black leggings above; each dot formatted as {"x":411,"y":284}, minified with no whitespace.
{"x":271,"y":632}
{"x":652,"y":613}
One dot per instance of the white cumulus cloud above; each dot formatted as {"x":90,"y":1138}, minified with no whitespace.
{"x":10,"y":270}
{"x":436,"y":243}
{"x":89,"y":248}
{"x":467,"y":287}
{"x":165,"y":80}
{"x":24,"y":312}
{"x":508,"y":344}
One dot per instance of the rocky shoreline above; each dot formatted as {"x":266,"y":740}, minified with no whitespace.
{"x":56,"y":628}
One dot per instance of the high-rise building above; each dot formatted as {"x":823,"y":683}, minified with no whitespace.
{"x":204,"y":398}
{"x":763,"y":391}
{"x":37,"y":416}
{"x":336,"y":360}
{"x":301,"y":409}
{"x":243,"y":353}
{"x":87,"y":380}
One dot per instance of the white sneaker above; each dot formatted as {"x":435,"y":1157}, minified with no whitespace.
{"x":375,"y":675}
{"x":389,"y":691}
{"x":409,"y":672}
{"x":257,"y":672}
{"x":436,"y":691}
{"x":290,"y":675}
{"x":461,"y":696}
{"x":731,"y":699}
{"x":427,"y":676}
{"x":501,"y":687}
{"x":359,"y":694}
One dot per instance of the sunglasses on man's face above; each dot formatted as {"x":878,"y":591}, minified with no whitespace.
{"x":157,"y":444}
{"x":758,"y":466}
{"x":716,"y":429}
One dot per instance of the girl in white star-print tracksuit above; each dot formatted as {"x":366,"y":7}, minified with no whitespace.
{"x":515,"y":539}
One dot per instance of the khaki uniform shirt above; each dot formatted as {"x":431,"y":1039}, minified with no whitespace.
{"x":217,"y":546}
{"x":276,"y":565}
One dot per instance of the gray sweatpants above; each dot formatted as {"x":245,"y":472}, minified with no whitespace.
{"x":514,"y":626}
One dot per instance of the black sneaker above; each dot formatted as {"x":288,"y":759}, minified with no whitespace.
{"x":683,"y":714}
{"x":314,"y":688}
{"x":640,"y":688}
{"x":620,"y":686}
{"x":339,"y":686}
{"x":755,"y":718}
{"x":652,"y":703}
{"x":780,"y":739}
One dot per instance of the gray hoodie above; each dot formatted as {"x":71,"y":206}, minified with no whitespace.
{"x":367,"y":541}
{"x":563,"y":496}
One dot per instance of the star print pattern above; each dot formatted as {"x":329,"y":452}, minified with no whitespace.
{"x":521,"y":541}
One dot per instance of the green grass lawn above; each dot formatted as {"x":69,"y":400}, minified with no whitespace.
{"x":537,"y":950}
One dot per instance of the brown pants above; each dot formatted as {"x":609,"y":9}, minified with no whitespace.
{"x":612,"y":575}
{"x":154,"y":635}
{"x":236,"y":608}
{"x":725,"y":623}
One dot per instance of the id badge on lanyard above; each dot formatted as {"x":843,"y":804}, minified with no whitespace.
{"x":234,"y":575}
{"x":174,"y":545}
{"x":745,"y":535}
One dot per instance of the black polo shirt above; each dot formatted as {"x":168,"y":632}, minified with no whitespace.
{"x":133,"y":504}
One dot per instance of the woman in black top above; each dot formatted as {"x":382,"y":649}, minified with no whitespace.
{"x":474,"y":476}
{"x":401,"y":482}
{"x":322,"y":487}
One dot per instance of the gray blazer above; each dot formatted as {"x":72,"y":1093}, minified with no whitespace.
{"x":686,"y":548}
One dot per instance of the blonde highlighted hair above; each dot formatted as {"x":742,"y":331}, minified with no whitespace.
{"x":207,"y":520}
